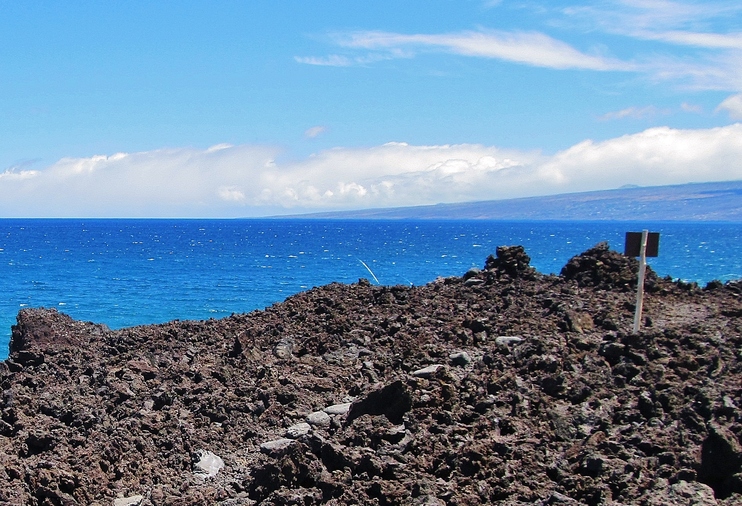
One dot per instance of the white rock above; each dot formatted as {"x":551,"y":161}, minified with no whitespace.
{"x":276,"y":446}
{"x":338,"y":409}
{"x":473,"y":282}
{"x":298,"y":430}
{"x":283,"y":349}
{"x":208,"y":463}
{"x":319,"y":418}
{"x":427,"y":372}
{"x":134,"y":500}
{"x":506,"y":340}
{"x":697,"y":494}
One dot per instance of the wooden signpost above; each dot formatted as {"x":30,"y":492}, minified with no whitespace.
{"x":642,"y":244}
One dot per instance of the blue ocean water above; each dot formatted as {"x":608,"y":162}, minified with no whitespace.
{"x":130,"y":272}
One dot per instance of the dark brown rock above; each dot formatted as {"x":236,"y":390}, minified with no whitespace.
{"x":557,"y":402}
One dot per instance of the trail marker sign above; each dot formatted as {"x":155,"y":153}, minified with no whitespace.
{"x":632,"y":248}
{"x":641,"y":244}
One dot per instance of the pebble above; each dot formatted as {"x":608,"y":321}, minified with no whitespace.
{"x":319,"y":418}
{"x":557,"y":498}
{"x":134,"y":500}
{"x":338,"y":409}
{"x":206,"y":463}
{"x":473,"y":282}
{"x":461,"y":358}
{"x":427,"y":372}
{"x":276,"y":446}
{"x":474,"y":271}
{"x":298,"y":430}
{"x":506,"y":340}
{"x":284,"y":349}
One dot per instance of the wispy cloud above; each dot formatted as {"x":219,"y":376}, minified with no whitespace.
{"x":529,"y":48}
{"x":686,"y":47}
{"x":702,"y":40}
{"x":649,"y":111}
{"x":694,"y":108}
{"x":332,"y":60}
{"x":694,"y":50}
{"x":314,"y":131}
{"x":733,"y":105}
{"x":650,"y":16}
{"x":249,"y":181}
{"x":335,"y":60}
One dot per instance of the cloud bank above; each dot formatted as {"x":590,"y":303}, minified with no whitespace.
{"x":230,"y":181}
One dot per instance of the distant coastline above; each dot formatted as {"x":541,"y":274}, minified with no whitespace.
{"x":712,"y":202}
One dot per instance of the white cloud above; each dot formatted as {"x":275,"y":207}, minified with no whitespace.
{"x":165,"y":182}
{"x":314,"y":131}
{"x":656,"y":156}
{"x":704,"y":40}
{"x":335,"y":60}
{"x":218,"y":147}
{"x":715,"y":61}
{"x":231,"y":193}
{"x":18,"y":174}
{"x":694,"y":108}
{"x":634,"y":112}
{"x":733,"y":105}
{"x":689,"y":50}
{"x":332,"y":60}
{"x":249,"y":181}
{"x":650,"y":16}
{"x":530,"y":48}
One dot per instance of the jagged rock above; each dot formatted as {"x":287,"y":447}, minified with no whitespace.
{"x":392,"y":401}
{"x":133,"y":500}
{"x":276,"y":446}
{"x":319,"y":418}
{"x":721,"y":460}
{"x":603,"y":268}
{"x":428,"y":372}
{"x":284,"y":349}
{"x":568,"y":412}
{"x":473,"y":272}
{"x":512,"y":261}
{"x":460,"y":358}
{"x":682,"y":493}
{"x":298,"y":430}
{"x":507,"y":340}
{"x":338,"y":409}
{"x":206,"y":463}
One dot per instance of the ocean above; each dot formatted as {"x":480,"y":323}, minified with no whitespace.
{"x":125,"y":272}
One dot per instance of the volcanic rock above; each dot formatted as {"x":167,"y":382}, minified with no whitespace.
{"x":558,"y":402}
{"x":601,"y":267}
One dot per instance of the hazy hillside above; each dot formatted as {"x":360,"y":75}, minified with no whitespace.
{"x":687,"y":202}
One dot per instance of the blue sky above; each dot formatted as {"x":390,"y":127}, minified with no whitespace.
{"x":219,"y":109}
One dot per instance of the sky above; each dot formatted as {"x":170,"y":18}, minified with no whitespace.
{"x":259,"y":108}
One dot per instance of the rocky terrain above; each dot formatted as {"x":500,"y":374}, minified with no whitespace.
{"x":501,"y":386}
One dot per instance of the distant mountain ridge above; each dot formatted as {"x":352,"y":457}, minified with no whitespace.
{"x":720,"y":201}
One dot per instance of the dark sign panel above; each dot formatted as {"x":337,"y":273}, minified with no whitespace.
{"x":633,"y":244}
